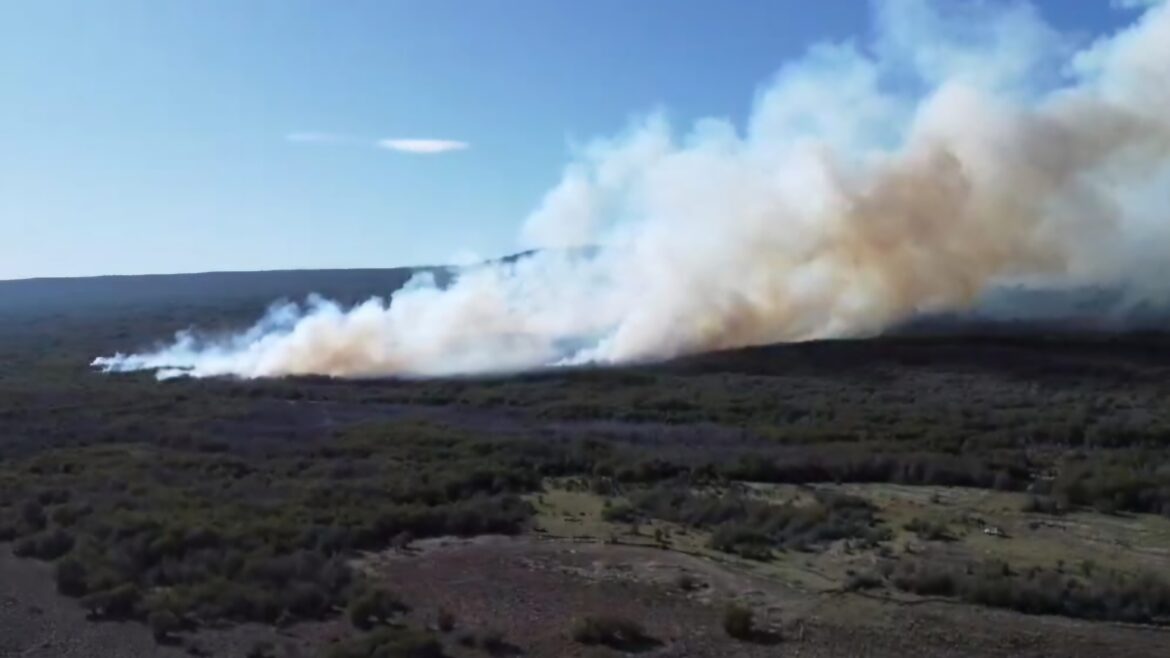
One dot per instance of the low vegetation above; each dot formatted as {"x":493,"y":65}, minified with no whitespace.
{"x":739,"y":622}
{"x":184,"y":503}
{"x":753,"y":528}
{"x":390,"y":643}
{"x":1111,"y":596}
{"x":612,"y":631}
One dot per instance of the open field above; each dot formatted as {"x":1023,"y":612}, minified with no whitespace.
{"x":953,"y":495}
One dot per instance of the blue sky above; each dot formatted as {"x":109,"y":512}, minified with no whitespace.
{"x":149,"y":136}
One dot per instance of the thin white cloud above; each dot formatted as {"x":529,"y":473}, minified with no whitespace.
{"x":1136,"y":4}
{"x":316,"y":138}
{"x":423,"y":146}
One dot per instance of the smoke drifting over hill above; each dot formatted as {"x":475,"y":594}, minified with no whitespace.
{"x":964,"y":148}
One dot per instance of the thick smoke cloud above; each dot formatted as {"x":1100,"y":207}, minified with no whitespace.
{"x":968,"y":146}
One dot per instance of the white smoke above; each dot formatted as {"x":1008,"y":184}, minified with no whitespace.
{"x":968,"y":145}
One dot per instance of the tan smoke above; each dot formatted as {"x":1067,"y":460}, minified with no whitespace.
{"x":865,"y":188}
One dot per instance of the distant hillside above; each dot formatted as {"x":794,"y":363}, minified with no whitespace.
{"x":89,"y":294}
{"x":222,"y":290}
{"x":240,"y":296}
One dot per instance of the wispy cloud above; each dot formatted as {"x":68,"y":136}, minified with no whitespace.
{"x":402,"y":145}
{"x":423,"y":146}
{"x":317,"y":138}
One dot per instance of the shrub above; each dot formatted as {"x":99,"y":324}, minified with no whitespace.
{"x":929,"y":530}
{"x":390,"y":643}
{"x":863,"y":581}
{"x":48,"y":545}
{"x":402,"y":540}
{"x":375,"y":606}
{"x":1100,"y":595}
{"x":445,"y":620}
{"x":67,"y":515}
{"x":751,"y":528}
{"x":1044,"y":505}
{"x":739,"y":622}
{"x":261,"y":649}
{"x":621,"y":513}
{"x":306,"y":600}
{"x":687,"y":583}
{"x":70,"y":575}
{"x":162,"y":624}
{"x":492,"y":640}
{"x":742,"y":541}
{"x":120,"y":602}
{"x":33,"y":515}
{"x":612,"y":631}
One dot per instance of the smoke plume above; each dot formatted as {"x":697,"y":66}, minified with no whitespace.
{"x":966,"y":146}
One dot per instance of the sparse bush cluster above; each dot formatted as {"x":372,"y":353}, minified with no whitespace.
{"x":390,"y":642}
{"x":1102,"y":595}
{"x":739,"y":622}
{"x":752,"y":528}
{"x":374,"y":606}
{"x":259,"y":539}
{"x":929,"y":530}
{"x":610,"y":630}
